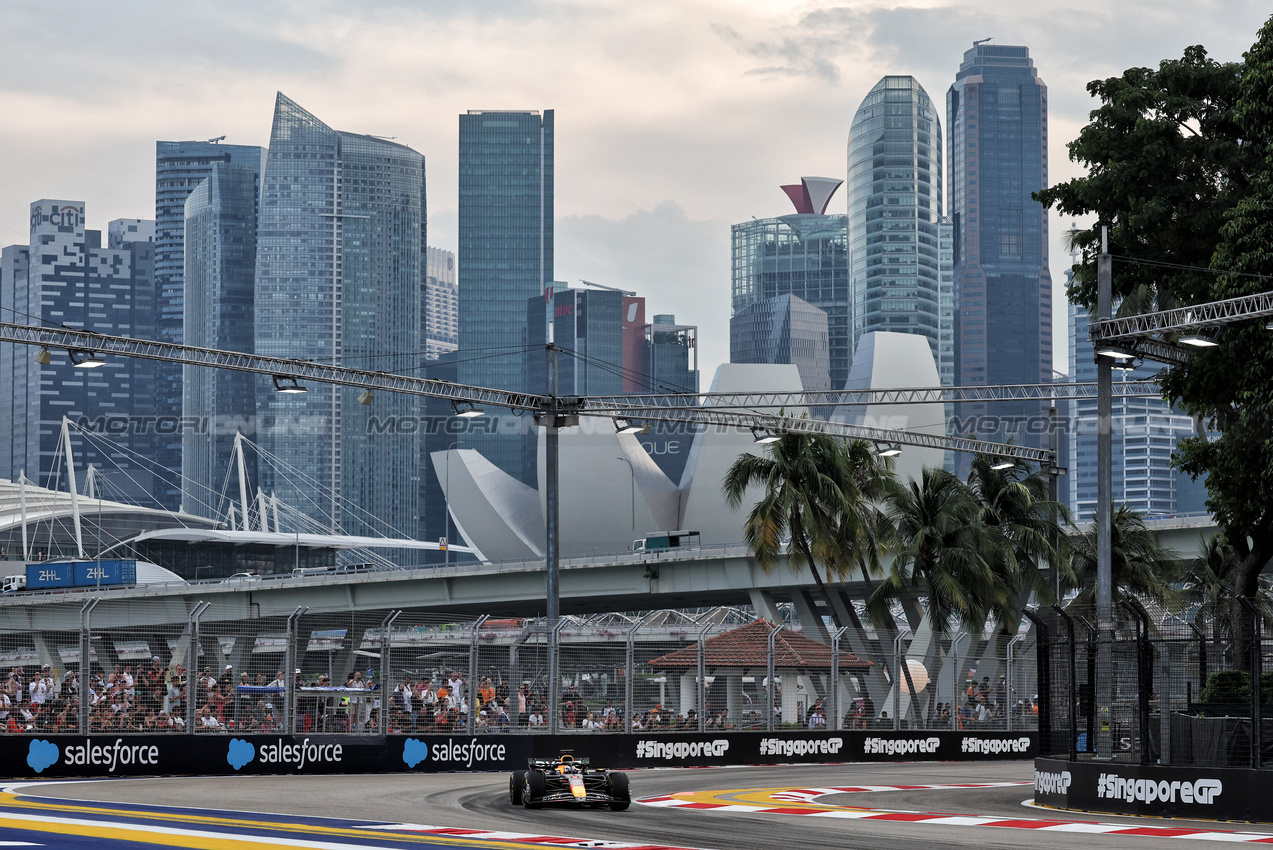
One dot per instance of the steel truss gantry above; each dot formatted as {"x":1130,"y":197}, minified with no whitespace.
{"x":1142,"y":334}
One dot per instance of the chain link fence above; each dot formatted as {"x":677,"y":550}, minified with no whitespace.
{"x":378,"y":672}
{"x":1179,"y":692}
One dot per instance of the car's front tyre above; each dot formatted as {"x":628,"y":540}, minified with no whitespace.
{"x":620,"y":795}
{"x":516,"y":784}
{"x":534,"y":789}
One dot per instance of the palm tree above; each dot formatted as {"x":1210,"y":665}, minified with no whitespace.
{"x":814,"y":488}
{"x":1139,"y":565}
{"x":940,"y":554}
{"x":1022,"y":530}
{"x":1209,"y":587}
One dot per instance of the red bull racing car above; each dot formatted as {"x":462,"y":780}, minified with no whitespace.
{"x":568,"y":781}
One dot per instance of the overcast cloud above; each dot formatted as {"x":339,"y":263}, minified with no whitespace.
{"x":674,"y":117}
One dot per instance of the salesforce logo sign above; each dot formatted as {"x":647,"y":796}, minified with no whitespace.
{"x":414,"y":752}
{"x":294,"y":755}
{"x":42,"y":754}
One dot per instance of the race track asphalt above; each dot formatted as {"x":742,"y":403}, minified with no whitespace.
{"x":479,"y":801}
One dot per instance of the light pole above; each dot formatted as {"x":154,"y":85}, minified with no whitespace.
{"x":446,"y":500}
{"x":632,"y":470}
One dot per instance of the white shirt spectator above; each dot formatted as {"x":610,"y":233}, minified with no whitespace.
{"x":535,"y":719}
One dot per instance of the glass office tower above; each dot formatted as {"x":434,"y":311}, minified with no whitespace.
{"x":219,"y":288}
{"x":805,"y":255}
{"x":64,"y":277}
{"x":784,"y":329}
{"x":505,"y":257}
{"x":179,"y":168}
{"x":895,"y":209}
{"x":339,"y":277}
{"x":997,"y":121}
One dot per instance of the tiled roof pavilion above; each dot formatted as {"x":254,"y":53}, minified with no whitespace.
{"x":747,"y":647}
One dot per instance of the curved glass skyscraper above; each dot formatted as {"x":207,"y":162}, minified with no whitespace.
{"x":896,"y":281}
{"x":339,"y":272}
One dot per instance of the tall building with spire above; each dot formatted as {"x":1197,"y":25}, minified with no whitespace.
{"x":997,"y":125}
{"x":804,"y":255}
{"x":895,"y":218}
{"x":505,"y":257}
{"x":339,"y":277}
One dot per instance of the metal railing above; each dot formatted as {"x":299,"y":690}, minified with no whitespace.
{"x":390,"y":671}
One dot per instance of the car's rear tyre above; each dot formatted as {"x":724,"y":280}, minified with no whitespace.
{"x":620,"y":796}
{"x":535,"y":787}
{"x":516,"y":783}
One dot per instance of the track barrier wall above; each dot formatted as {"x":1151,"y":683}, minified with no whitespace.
{"x":70,"y":756}
{"x":1197,"y":793}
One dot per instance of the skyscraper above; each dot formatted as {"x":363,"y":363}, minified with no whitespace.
{"x":505,"y":258}
{"x":65,"y":277}
{"x":588,"y":328}
{"x":997,"y":121}
{"x":441,"y":304}
{"x":895,"y":210}
{"x":670,"y":363}
{"x":805,"y":255}
{"x":339,"y":276}
{"x":219,"y":276}
{"x":785,"y":329}
{"x":1145,"y":433}
{"x":179,"y":168}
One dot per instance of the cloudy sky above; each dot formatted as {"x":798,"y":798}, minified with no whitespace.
{"x":675,"y":118}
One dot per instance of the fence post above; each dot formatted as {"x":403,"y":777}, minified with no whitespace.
{"x":386,"y":672}
{"x":835,"y":702}
{"x":1144,"y":676}
{"x":1010,"y":680}
{"x":1043,"y":665}
{"x":86,"y":664}
{"x":771,"y":685}
{"x":955,"y":689}
{"x":1072,"y":703}
{"x":630,"y":666}
{"x":289,"y":663}
{"x":192,"y":662}
{"x":899,"y":676}
{"x":473,"y":709}
{"x":554,"y":676}
{"x":702,"y":675}
{"x":514,"y":674}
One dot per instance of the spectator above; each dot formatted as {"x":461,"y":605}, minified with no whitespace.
{"x":280,"y":680}
{"x":485,"y":691}
{"x":536,"y":717}
{"x":501,"y":718}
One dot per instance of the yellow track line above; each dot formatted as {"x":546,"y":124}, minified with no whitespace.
{"x":183,"y":837}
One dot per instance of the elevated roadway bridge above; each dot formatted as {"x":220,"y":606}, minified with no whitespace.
{"x":679,"y":578}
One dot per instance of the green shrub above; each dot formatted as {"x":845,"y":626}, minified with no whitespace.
{"x":1232,"y":686}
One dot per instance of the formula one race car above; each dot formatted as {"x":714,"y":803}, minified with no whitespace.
{"x":568,"y":781}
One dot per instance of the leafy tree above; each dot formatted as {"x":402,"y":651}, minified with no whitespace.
{"x":813,"y":494}
{"x":1180,"y":163}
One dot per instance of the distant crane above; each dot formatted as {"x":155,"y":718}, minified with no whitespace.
{"x":217,"y":139}
{"x":983,"y":40}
